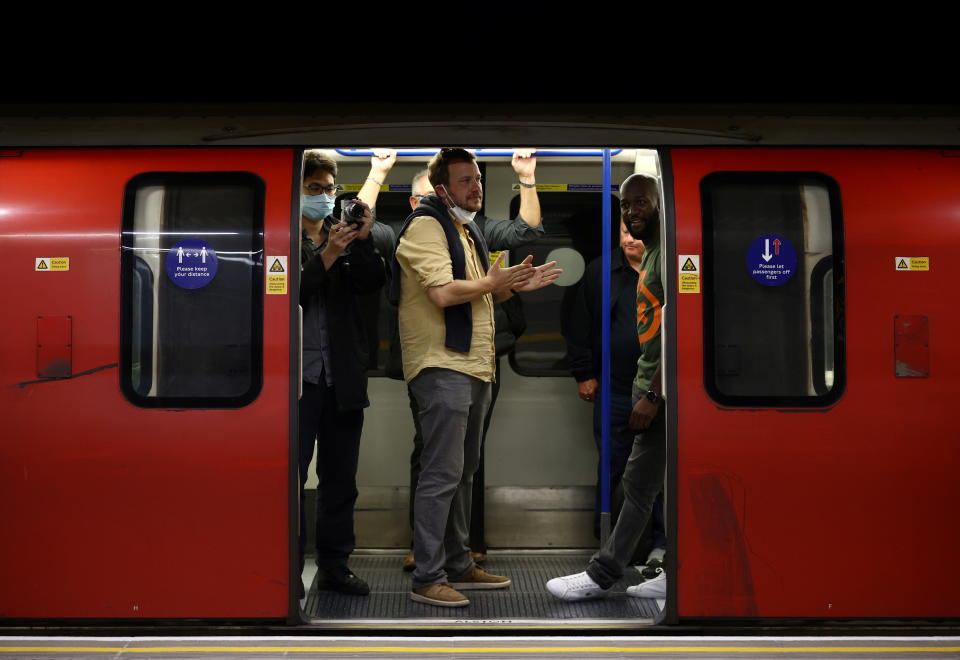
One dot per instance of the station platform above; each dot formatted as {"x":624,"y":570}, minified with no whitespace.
{"x":506,"y":648}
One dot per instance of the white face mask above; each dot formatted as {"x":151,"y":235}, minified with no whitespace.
{"x":460,"y":214}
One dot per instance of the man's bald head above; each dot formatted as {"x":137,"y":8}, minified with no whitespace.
{"x":419,"y":187}
{"x":645,"y":184}
{"x":640,"y":206}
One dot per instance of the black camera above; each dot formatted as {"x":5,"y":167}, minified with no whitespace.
{"x":352,"y":213}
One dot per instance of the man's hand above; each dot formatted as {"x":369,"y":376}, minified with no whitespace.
{"x":525,"y":164}
{"x":587,"y":389}
{"x":363,"y":232}
{"x":502,"y":279}
{"x":544,"y":275}
{"x":381,"y":162}
{"x":642,"y":414}
{"x":341,"y":235}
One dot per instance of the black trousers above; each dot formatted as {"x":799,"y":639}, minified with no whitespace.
{"x":337,"y":438}
{"x":477,"y":541}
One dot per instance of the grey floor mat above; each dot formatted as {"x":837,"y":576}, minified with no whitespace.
{"x":526,"y":598}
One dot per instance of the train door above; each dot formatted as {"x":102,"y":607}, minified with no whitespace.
{"x":540,"y":458}
{"x":815,"y":377}
{"x":147,"y":383}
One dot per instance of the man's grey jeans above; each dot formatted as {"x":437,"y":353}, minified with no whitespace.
{"x":642,"y":481}
{"x":452,"y":407}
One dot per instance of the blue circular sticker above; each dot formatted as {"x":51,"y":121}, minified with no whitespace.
{"x":771,"y":260}
{"x":191,"y":263}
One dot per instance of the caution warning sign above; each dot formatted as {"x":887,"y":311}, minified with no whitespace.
{"x":277,"y":275}
{"x":689,"y":273}
{"x":911,"y":263}
{"x":52,"y":264}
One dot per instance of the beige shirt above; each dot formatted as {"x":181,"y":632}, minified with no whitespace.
{"x":424,"y":259}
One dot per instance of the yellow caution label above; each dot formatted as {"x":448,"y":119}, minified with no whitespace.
{"x":52,"y":263}
{"x":492,"y":256}
{"x":688,"y":280}
{"x":546,"y":187}
{"x":277,"y":275}
{"x":911,"y":263}
{"x":356,"y":187}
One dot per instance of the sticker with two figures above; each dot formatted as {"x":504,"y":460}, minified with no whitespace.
{"x":912,"y":263}
{"x":191,"y":263}
{"x":277,"y":275}
{"x":50,"y":264}
{"x":689,"y":273}
{"x":771,"y":260}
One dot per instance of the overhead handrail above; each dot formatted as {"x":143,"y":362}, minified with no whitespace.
{"x":541,"y":153}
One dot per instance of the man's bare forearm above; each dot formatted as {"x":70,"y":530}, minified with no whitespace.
{"x":458,"y":292}
{"x":530,"y":206}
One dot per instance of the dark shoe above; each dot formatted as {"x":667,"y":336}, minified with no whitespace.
{"x":409,"y":563}
{"x":653,"y":568}
{"x":478,"y":557}
{"x":477,"y":578}
{"x":342,"y":580}
{"x":442,"y":595}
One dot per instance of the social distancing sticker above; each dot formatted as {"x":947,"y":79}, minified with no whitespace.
{"x":689,"y":273}
{"x":52,"y":263}
{"x":911,"y":263}
{"x":277,"y":275}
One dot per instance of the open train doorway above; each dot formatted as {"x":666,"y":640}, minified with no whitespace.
{"x":537,"y":511}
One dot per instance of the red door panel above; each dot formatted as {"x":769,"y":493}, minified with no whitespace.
{"x":846,"y":511}
{"x":113,"y":510}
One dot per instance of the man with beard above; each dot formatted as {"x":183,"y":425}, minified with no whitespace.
{"x":499,"y":235}
{"x":446,"y":294}
{"x":643,"y":477}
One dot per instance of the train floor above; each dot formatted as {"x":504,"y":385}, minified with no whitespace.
{"x":526,"y":603}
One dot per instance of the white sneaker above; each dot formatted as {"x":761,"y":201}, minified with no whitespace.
{"x":576,"y":587}
{"x":653,"y":588}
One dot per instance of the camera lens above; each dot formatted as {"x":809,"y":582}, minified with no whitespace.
{"x":353,"y":210}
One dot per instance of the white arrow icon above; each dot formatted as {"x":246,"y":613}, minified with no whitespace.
{"x":766,"y":250}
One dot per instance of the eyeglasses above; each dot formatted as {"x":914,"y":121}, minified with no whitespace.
{"x":316,"y":189}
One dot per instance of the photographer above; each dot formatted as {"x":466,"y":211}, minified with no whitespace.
{"x":339,"y":262}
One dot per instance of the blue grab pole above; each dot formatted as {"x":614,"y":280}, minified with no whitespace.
{"x":605,"y":359}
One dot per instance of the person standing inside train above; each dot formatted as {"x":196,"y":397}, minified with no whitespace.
{"x":508,"y":324}
{"x":584,"y":339}
{"x":446,"y":293}
{"x":339,"y":261}
{"x":643,"y":476}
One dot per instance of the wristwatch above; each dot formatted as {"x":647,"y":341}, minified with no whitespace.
{"x":653,"y":397}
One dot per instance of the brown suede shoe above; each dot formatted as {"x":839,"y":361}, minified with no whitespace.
{"x":409,"y":563}
{"x":441,"y":594}
{"x":477,"y":578}
{"x":478,"y":557}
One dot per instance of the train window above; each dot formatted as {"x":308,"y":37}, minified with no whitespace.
{"x":191,"y":287}
{"x":773,"y":294}
{"x":570,"y":221}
